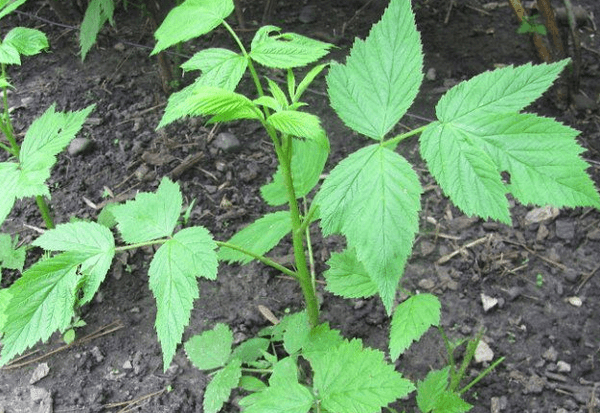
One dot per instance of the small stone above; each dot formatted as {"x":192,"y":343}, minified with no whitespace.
{"x":308,"y":14}
{"x":38,"y":394}
{"x":535,"y":385}
{"x":513,"y":293}
{"x":431,"y":74}
{"x":98,"y":356}
{"x":79,"y":146}
{"x":488,"y":302}
{"x":227,"y":142}
{"x":541,"y":214}
{"x":119,"y":47}
{"x":565,"y":229}
{"x":498,"y":404}
{"x":575,"y":301}
{"x":551,"y":354}
{"x":571,"y":275}
{"x":127,"y":365}
{"x":563,"y":367}
{"x":39,"y":373}
{"x":427,"y":248}
{"x":483,"y":352}
{"x":426,"y":284}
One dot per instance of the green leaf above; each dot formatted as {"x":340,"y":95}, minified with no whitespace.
{"x":321,"y":340}
{"x":7,"y":6}
{"x":191,"y":19}
{"x":9,"y":177}
{"x":504,"y":90}
{"x":89,"y":238}
{"x":277,"y":93}
{"x":46,"y":137}
{"x":451,"y":402}
{"x":11,"y":257}
{"x":106,"y":217}
{"x":411,"y":320}
{"x":173,"y":271}
{"x":252,"y":384}
{"x":220,"y":67}
{"x":373,"y":198}
{"x":219,"y":389}
{"x":26,"y":42}
{"x":259,"y":237}
{"x":251,"y":349}
{"x":9,"y":55}
{"x":284,"y":394}
{"x":5,"y":297}
{"x":200,"y":100}
{"x":308,"y":79}
{"x":270,"y":102}
{"x":308,"y":161}
{"x":42,"y":302}
{"x":96,"y":14}
{"x":431,"y":389}
{"x":299,"y":124}
{"x":353,"y":379}
{"x":151,"y":215}
{"x":211,"y":349}
{"x":296,"y":332}
{"x":287,"y":50}
{"x":347,"y":276}
{"x":382,"y":75}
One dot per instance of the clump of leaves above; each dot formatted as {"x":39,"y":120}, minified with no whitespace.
{"x":372,"y":198}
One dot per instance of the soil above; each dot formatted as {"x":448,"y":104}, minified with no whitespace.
{"x":543,"y":275}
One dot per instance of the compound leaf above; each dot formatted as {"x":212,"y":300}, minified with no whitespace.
{"x":431,"y":389}
{"x":11,"y":257}
{"x":173,"y":271}
{"x":86,"y":237}
{"x":251,"y":349}
{"x":321,"y":340}
{"x":42,"y":301}
{"x":373,"y":198}
{"x":382,"y":75}
{"x":211,"y":349}
{"x":259,"y":237}
{"x":411,"y":320}
{"x":296,"y":332}
{"x":353,"y":379}
{"x":504,"y":90}
{"x":219,"y":389}
{"x":347,"y":276}
{"x":151,"y":215}
{"x":191,"y":19}
{"x":96,"y":14}
{"x":308,"y":161}
{"x":26,"y":42}
{"x":299,"y":124}
{"x":220,"y":67}
{"x":287,"y":50}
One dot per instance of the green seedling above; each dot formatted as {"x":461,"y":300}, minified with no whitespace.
{"x":531,"y":24}
{"x":69,"y":335}
{"x":539,"y":280}
{"x":372,"y":198}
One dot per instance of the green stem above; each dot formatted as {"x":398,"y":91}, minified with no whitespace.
{"x":45,"y":211}
{"x":481,"y":375}
{"x":260,"y":258}
{"x":5,"y":124}
{"x":311,"y":259}
{"x":394,"y":141}
{"x":141,"y":244}
{"x":304,"y":278}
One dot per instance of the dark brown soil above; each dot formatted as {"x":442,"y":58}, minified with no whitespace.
{"x":533,"y":270}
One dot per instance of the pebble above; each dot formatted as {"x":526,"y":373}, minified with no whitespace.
{"x":483,"y":352}
{"x":513,"y":293}
{"x":575,"y":301}
{"x":227,"y":142}
{"x":565,"y":229}
{"x":551,"y":354}
{"x":563,"y":367}
{"x":541,"y":214}
{"x":488,"y":302}
{"x":571,"y":275}
{"x":79,"y":146}
{"x":431,"y":74}
{"x":39,"y":373}
{"x":498,"y":404}
{"x":98,"y":356}
{"x":119,"y":47}
{"x":426,"y":284}
{"x":535,"y":385}
{"x":38,"y":393}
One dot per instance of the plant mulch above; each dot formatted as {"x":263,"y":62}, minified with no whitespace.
{"x":533,"y":287}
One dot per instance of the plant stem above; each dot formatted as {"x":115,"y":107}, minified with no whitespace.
{"x":141,"y":244}
{"x":394,"y":141}
{"x":45,"y":211}
{"x":481,"y":375}
{"x":260,"y":258}
{"x":5,"y":124}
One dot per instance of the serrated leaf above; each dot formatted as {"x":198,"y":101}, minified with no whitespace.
{"x":321,"y":339}
{"x":151,"y":215}
{"x":252,"y":384}
{"x":373,"y":198}
{"x":5,"y":297}
{"x":411,"y":320}
{"x":191,"y":19}
{"x":431,"y":389}
{"x":296,"y":332}
{"x":173,"y":271}
{"x":382,"y":75}
{"x":42,"y":302}
{"x":220,"y":67}
{"x":353,"y":379}
{"x":251,"y":349}
{"x":90,"y":238}
{"x":27,"y":42}
{"x":106,"y":217}
{"x":347,"y":276}
{"x":7,"y":6}
{"x":504,"y":90}
{"x":299,"y":124}
{"x":305,"y":83}
{"x":308,"y":161}
{"x":268,"y":101}
{"x":97,"y":13}
{"x":11,"y":257}
{"x":259,"y":237}
{"x":199,"y":99}
{"x":277,"y":93}
{"x":9,"y":55}
{"x":284,"y":394}
{"x":450,"y":402}
{"x":219,"y":389}
{"x":287,"y":50}
{"x":211,"y":349}
{"x":9,"y":177}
